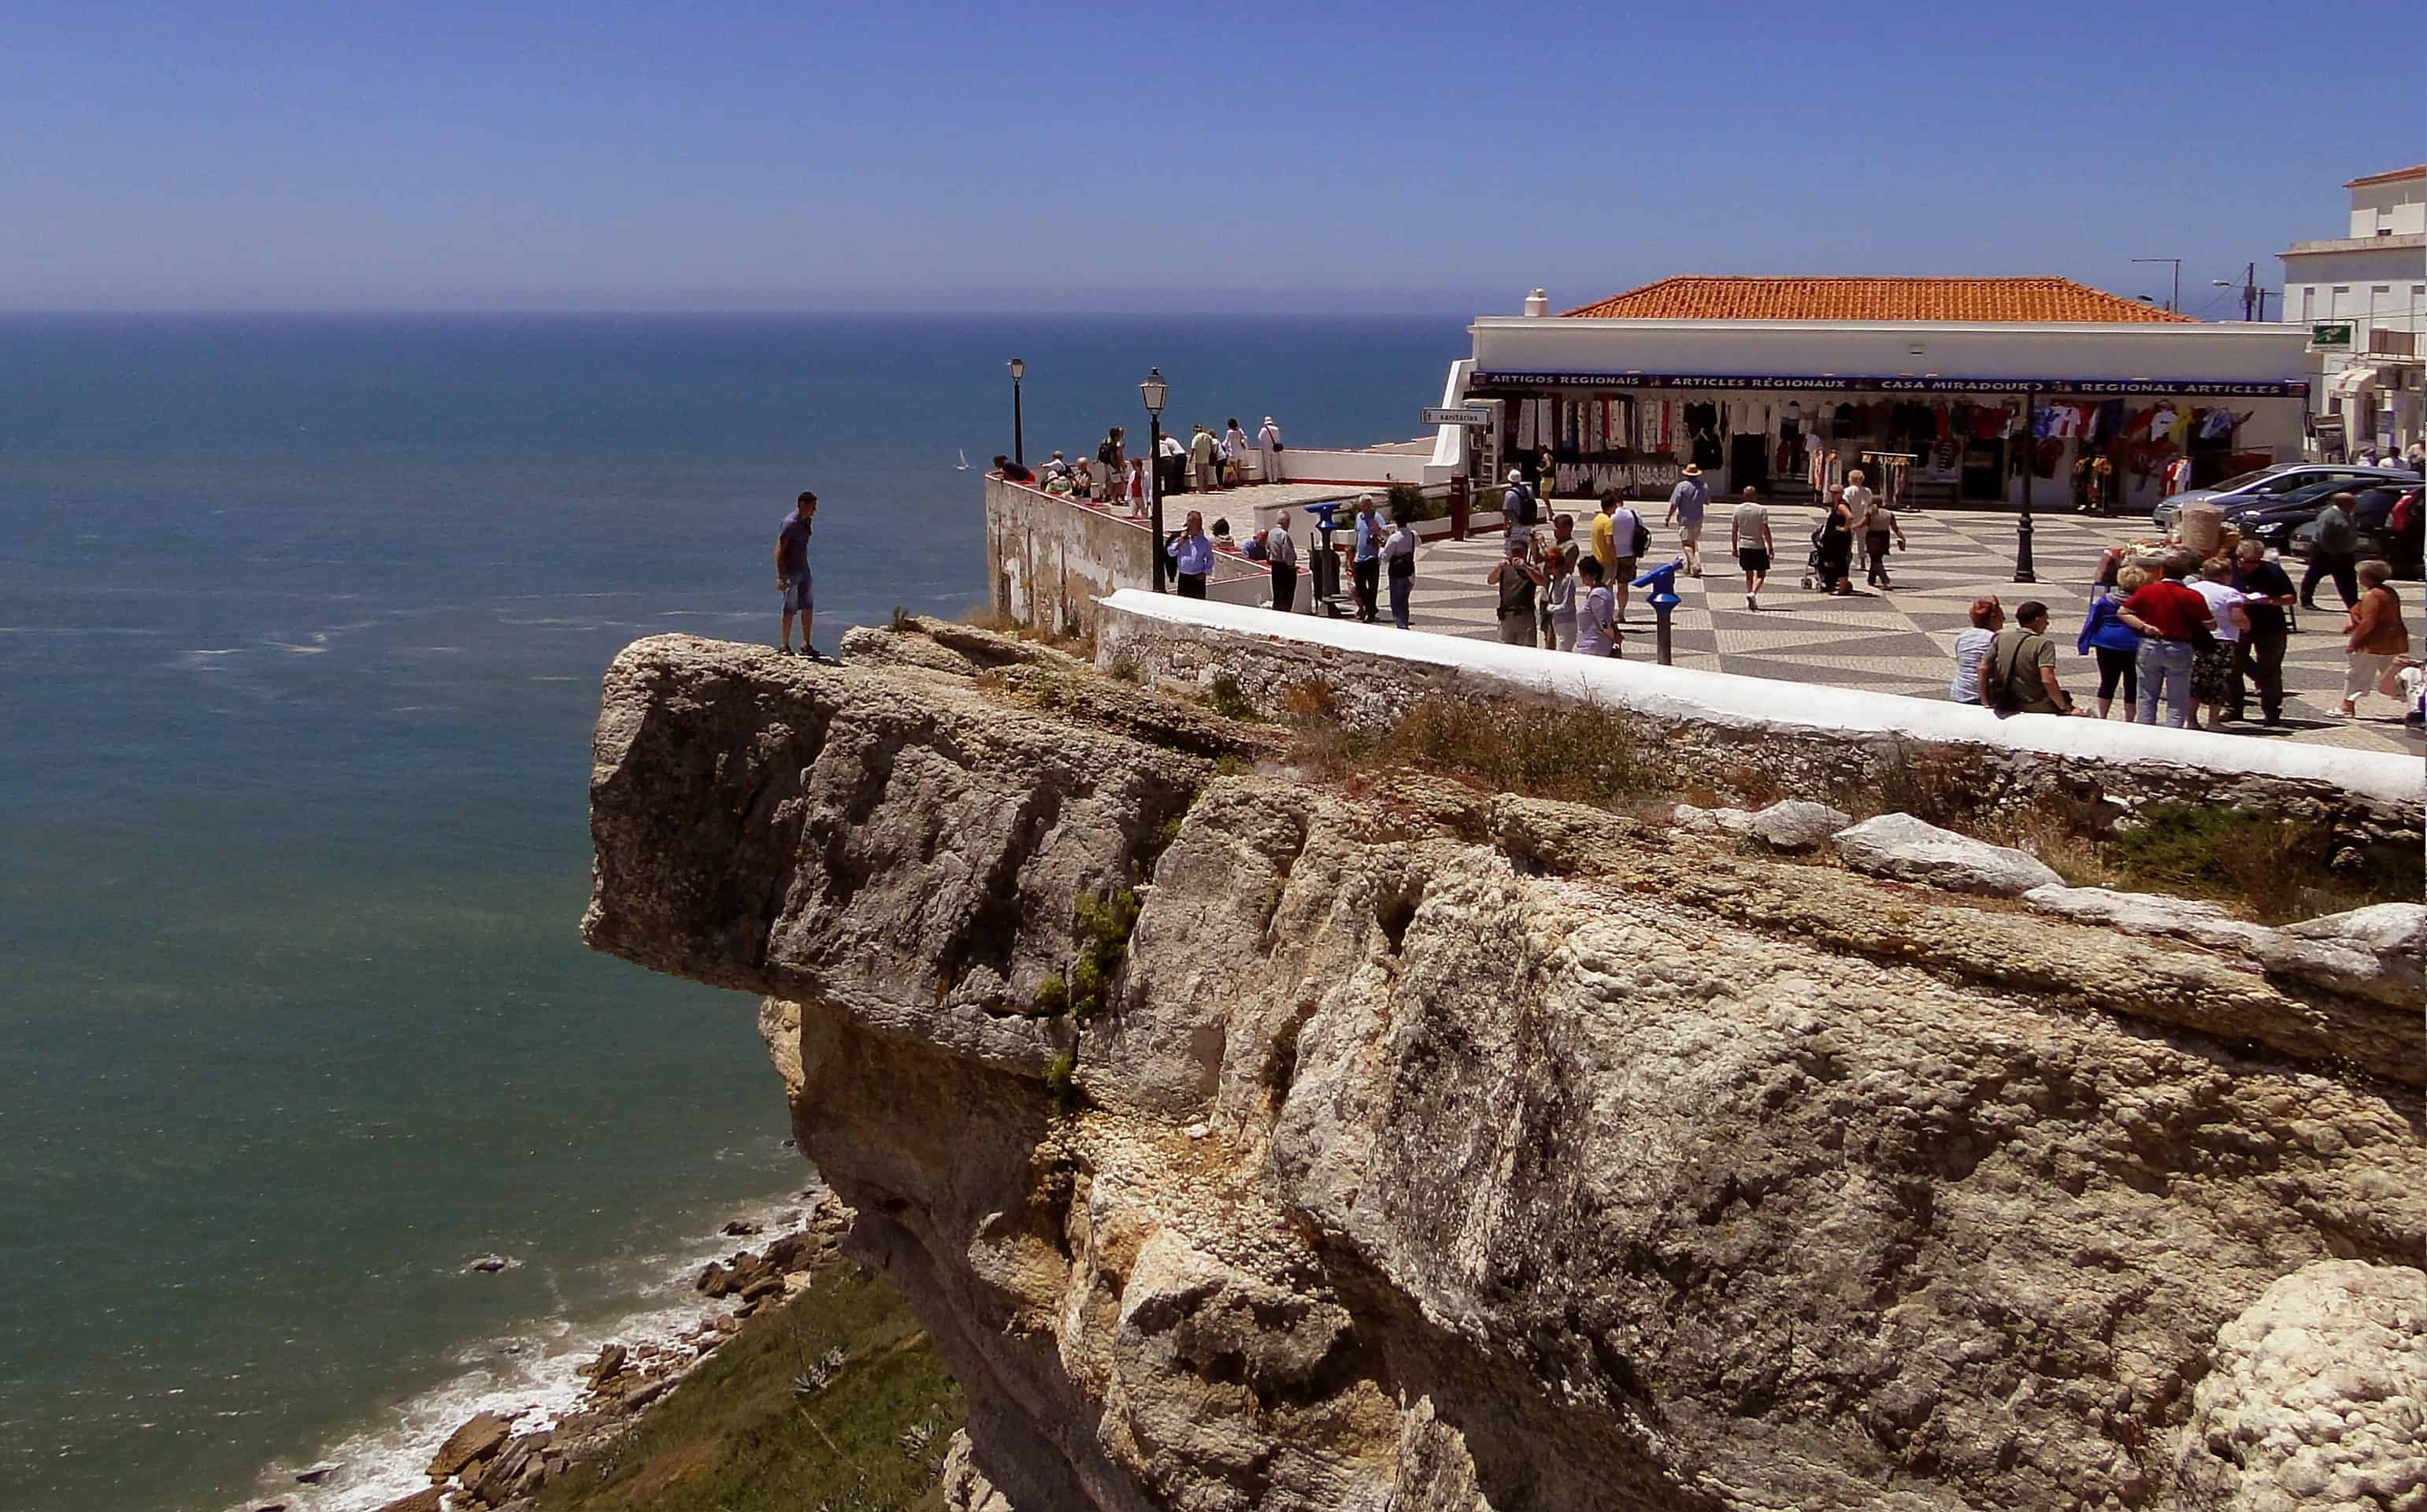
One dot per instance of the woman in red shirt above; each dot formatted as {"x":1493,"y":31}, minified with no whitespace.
{"x":2170,"y":618}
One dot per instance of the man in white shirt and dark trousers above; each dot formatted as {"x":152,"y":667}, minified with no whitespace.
{"x":1281,"y":552}
{"x":1859,"y":500}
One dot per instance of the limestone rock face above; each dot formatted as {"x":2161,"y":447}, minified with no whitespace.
{"x":2317,"y":1396}
{"x":1438,"y":1151}
{"x":1911,"y":850}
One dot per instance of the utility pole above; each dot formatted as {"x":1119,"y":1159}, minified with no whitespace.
{"x":2176,"y":302}
{"x":2250,"y":291}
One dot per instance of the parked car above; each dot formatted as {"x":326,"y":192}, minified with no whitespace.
{"x":2371,"y":518}
{"x":2267,"y":483}
{"x":2274,"y":520}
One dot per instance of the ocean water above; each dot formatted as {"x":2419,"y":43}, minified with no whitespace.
{"x":301,"y":626}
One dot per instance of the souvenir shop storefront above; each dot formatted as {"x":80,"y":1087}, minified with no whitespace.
{"x":2099,"y":444}
{"x":2047,"y":389}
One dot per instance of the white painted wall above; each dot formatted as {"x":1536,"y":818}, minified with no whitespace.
{"x":1762,"y":705}
{"x":2398,"y":209}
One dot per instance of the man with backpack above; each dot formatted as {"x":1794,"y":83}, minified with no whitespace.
{"x":2018,"y":674}
{"x":1517,"y":512}
{"x":1630,"y":535}
{"x":1112,"y":468}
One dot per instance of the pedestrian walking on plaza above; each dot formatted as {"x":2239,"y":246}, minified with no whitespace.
{"x":1559,"y":599}
{"x":1268,"y":444}
{"x":1834,"y":545}
{"x":793,"y":572}
{"x":1859,"y":500}
{"x":1750,"y":541}
{"x":1604,"y":535}
{"x":1629,"y":534}
{"x":1879,"y":526}
{"x":2171,"y":619}
{"x":1597,"y":632}
{"x":2333,"y":552}
{"x":1234,"y":452}
{"x":2116,"y":644}
{"x":1399,"y":562}
{"x":1686,"y":503}
{"x":2375,"y":638}
{"x":1135,"y":487}
{"x":1563,"y":548}
{"x":2266,"y":594}
{"x":2018,"y":675}
{"x":1280,"y":550}
{"x":1192,"y":555}
{"x":1365,"y":566}
{"x":2213,"y":660}
{"x":1517,"y":578}
{"x":1112,"y":466}
{"x":1971,"y":646}
{"x":1171,"y":464}
{"x":1517,"y":512}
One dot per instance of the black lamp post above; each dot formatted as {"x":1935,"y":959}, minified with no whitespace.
{"x":1154,"y":391}
{"x":1018,"y":443}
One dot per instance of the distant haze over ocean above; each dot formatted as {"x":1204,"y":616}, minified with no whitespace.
{"x":302,"y":620}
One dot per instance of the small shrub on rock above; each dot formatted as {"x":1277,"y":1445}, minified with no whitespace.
{"x":1052,"y":997}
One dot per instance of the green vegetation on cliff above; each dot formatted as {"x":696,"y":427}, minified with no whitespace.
{"x":836,"y":1401}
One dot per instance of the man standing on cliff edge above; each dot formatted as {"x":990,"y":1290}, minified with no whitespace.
{"x":793,"y":572}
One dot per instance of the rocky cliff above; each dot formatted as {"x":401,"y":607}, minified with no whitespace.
{"x":1417,"y":1148}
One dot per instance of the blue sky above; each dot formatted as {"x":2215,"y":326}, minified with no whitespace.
{"x":1428,"y":156}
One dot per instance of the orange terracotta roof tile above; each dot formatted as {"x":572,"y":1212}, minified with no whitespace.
{"x":2420,"y":172}
{"x":1872,"y":299}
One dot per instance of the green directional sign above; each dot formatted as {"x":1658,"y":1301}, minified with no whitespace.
{"x":2335,"y":333}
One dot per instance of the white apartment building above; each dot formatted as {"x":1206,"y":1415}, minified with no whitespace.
{"x":2363,"y":298}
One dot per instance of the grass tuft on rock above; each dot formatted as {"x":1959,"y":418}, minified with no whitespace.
{"x":1579,"y":753}
{"x":1062,"y":1081}
{"x":836,"y":1399}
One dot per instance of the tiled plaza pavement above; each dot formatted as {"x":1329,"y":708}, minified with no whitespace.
{"x":1902,"y":641}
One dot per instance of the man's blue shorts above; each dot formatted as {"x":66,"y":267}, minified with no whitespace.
{"x":798,"y":595}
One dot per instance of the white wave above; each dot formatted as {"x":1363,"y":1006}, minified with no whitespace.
{"x":527,"y":1371}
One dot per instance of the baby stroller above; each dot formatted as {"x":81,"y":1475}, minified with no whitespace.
{"x":1811,"y":562}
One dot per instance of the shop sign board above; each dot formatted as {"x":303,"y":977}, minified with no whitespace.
{"x":1806,"y":383}
{"x":1458,"y":414}
{"x":2332,"y":335}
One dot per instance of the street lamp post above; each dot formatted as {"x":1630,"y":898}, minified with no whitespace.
{"x":1154,"y":391}
{"x":1019,"y":442}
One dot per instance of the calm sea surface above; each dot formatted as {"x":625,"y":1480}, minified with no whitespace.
{"x":302,"y":620}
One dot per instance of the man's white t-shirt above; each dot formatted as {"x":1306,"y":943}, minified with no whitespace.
{"x":1858,"y":504}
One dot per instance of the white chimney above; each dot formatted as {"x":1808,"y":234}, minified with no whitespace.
{"x":1537,"y":306}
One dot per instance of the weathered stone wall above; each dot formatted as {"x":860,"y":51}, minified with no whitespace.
{"x":1050,"y":561}
{"x":1745,"y":737}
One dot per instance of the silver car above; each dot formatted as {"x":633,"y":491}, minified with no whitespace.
{"x":2267,"y":482}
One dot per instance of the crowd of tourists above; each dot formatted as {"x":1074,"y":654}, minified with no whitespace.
{"x":1208,"y":462}
{"x":2180,"y":637}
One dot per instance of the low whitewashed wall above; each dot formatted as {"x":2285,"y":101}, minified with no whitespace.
{"x":1726,"y":731}
{"x":1378,"y":467}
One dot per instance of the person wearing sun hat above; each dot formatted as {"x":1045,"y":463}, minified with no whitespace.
{"x":1686,"y":503}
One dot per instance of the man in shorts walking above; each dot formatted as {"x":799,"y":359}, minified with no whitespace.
{"x":1686,"y":502}
{"x":793,"y":572}
{"x":1749,"y":538}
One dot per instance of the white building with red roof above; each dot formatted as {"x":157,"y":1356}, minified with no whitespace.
{"x":1951,"y":390}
